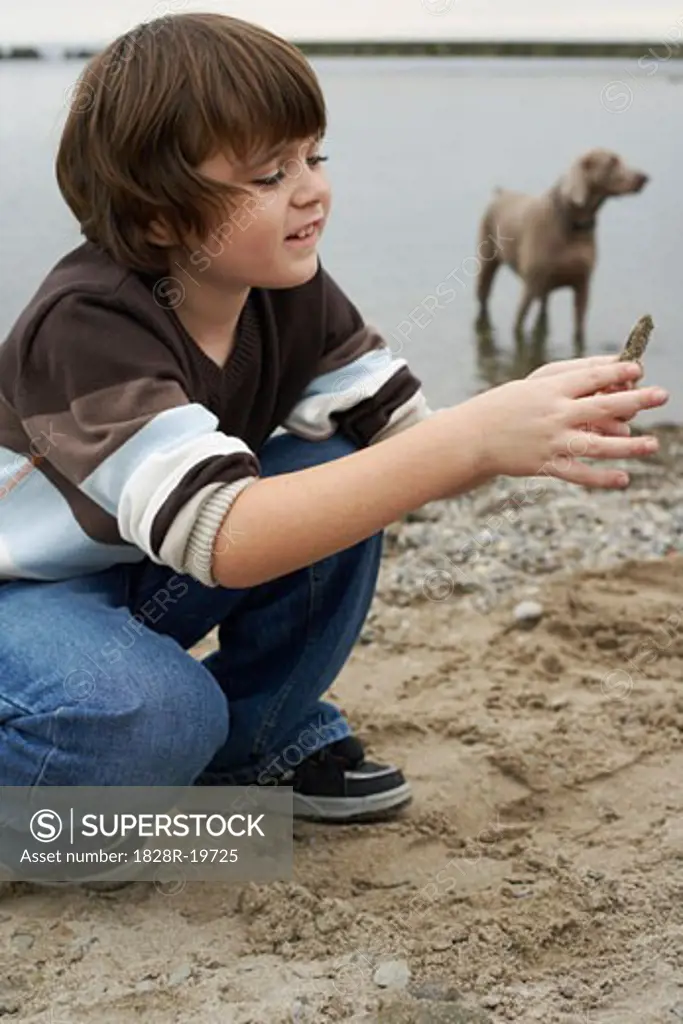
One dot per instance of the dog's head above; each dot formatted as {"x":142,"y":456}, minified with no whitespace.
{"x":597,"y":174}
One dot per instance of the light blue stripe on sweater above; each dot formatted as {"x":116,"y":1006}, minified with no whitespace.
{"x":362,"y":371}
{"x":39,"y":536}
{"x":169,"y":429}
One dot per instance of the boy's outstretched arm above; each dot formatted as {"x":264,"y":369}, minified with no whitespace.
{"x":540,"y":424}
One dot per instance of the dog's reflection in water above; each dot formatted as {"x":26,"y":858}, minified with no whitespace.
{"x":516,"y":358}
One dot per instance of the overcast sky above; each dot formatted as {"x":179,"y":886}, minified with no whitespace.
{"x":95,"y":21}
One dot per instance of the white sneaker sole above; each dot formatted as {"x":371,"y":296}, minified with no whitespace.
{"x":341,"y":808}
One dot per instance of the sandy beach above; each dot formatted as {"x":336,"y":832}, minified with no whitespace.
{"x":537,"y":876}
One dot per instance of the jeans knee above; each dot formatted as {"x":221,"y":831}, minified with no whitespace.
{"x":175,"y":735}
{"x":158,"y":731}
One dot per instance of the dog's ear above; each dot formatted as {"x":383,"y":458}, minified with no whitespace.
{"x":574,"y":185}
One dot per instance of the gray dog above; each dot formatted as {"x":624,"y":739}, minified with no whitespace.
{"x":549,"y":240}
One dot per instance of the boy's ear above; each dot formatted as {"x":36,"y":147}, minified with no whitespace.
{"x":159,"y":233}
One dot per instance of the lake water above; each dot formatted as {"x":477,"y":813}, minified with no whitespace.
{"x":416,"y":146}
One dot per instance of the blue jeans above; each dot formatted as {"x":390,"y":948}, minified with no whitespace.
{"x":97,"y":687}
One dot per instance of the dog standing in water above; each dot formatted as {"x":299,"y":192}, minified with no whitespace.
{"x":549,"y":240}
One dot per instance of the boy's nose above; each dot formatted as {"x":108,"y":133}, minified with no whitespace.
{"x":311,"y":187}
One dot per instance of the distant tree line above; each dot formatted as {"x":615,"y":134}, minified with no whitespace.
{"x":418,"y":48}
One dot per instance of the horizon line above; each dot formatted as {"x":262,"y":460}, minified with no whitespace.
{"x":390,"y":41}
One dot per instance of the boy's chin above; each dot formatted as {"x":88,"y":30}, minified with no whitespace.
{"x":297,"y":273}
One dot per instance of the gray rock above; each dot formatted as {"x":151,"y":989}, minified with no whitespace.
{"x":22,"y":941}
{"x":180,"y":975}
{"x":392,"y":974}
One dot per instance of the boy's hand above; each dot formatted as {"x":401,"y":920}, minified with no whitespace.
{"x":564,"y":412}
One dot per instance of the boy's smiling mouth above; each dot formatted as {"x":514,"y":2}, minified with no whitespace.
{"x":306,"y":235}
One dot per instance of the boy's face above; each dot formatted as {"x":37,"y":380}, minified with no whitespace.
{"x":270,"y":239}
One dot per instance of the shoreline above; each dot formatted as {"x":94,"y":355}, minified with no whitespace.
{"x":409,"y":48}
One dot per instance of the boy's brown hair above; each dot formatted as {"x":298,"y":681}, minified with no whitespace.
{"x":160,"y":100}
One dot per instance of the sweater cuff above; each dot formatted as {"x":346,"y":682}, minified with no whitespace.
{"x":199,"y":551}
{"x":408,"y":415}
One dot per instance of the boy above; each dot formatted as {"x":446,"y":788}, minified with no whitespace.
{"x":199,"y":430}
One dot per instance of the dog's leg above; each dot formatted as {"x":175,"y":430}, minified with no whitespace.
{"x":489,"y":262}
{"x":540,"y":331}
{"x":523,"y":308}
{"x":580,"y":307}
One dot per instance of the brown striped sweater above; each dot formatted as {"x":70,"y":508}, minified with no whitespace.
{"x":120,"y":439}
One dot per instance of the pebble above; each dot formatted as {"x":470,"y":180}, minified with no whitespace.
{"x":181,"y":974}
{"x":528,"y":613}
{"x":22,"y":941}
{"x":392,"y":974}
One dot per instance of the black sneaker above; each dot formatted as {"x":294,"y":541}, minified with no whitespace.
{"x":337,"y":784}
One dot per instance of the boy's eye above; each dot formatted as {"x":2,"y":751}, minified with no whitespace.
{"x":280,"y":175}
{"x":270,"y":179}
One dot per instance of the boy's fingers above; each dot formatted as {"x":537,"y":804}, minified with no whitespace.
{"x":603,"y":446}
{"x":614,"y":428}
{"x":621,"y":404}
{"x":581,"y":473}
{"x":587,"y":381}
{"x":563,"y":365}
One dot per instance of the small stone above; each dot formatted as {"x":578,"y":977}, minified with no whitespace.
{"x":180,"y":975}
{"x":22,"y":941}
{"x":491,"y":1001}
{"x":145,"y":986}
{"x":8,"y":1004}
{"x":527,"y":613}
{"x":392,"y":974}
